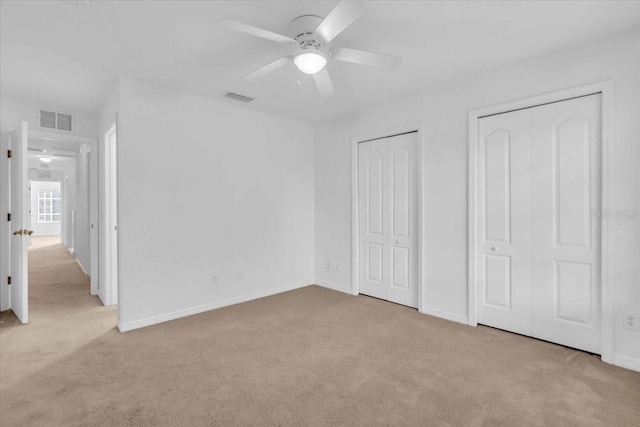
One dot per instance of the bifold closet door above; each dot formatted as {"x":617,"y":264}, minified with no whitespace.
{"x":504,"y":297}
{"x":566,"y":155}
{"x":388,"y":219}
{"x":539,"y":252}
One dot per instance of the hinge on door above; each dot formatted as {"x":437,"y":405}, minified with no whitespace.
{"x":8,"y":217}
{"x":9,"y":153}
{"x":8,"y":280}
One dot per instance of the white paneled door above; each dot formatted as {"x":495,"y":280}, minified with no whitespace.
{"x":388,"y":218}
{"x":566,"y":153}
{"x":19,"y":224}
{"x":505,"y":249}
{"x":539,"y":250}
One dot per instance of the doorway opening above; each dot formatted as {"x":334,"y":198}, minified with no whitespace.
{"x":59,"y":216}
{"x":51,"y":199}
{"x":46,"y":213}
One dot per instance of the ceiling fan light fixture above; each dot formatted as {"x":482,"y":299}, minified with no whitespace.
{"x":310,"y":62}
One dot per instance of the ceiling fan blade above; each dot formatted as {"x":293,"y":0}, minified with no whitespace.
{"x":268,"y":68}
{"x":255,"y":31}
{"x":323,"y":83}
{"x":343,"y":14}
{"x":366,"y":58}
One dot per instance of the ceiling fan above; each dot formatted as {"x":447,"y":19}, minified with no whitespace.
{"x":312,"y":34}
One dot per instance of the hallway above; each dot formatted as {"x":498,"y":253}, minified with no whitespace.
{"x":58,"y":295}
{"x":57,"y":285}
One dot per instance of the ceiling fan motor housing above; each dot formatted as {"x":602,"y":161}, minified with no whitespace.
{"x":302,"y":30}
{"x":313,"y":35}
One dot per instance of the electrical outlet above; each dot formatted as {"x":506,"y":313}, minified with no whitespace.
{"x":338,"y":266}
{"x":328,"y":265}
{"x":214,"y":279}
{"x":632,"y":321}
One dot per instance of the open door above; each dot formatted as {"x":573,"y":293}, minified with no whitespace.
{"x":19,"y":224}
{"x":108,"y":285}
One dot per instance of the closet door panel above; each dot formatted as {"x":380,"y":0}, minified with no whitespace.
{"x":404,"y":238}
{"x":505,"y":219}
{"x":566,"y":156}
{"x":388,"y":218}
{"x":373,"y":215}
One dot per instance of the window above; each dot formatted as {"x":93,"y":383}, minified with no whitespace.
{"x":49,"y":206}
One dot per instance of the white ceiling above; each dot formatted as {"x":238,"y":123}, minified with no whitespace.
{"x":53,"y":147}
{"x":69,"y":52}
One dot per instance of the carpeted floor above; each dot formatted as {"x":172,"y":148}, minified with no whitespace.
{"x":306,"y":357}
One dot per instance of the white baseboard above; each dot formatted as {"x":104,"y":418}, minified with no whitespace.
{"x":82,"y":268}
{"x":153,"y":320}
{"x":335,"y":287}
{"x":425,"y":310}
{"x":627,"y":362}
{"x":445,"y":315}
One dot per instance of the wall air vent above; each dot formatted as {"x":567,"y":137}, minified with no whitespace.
{"x":54,"y":120}
{"x":237,"y":97}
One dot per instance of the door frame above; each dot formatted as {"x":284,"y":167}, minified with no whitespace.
{"x":110,"y":210}
{"x":605,"y":88}
{"x":355,"y":236}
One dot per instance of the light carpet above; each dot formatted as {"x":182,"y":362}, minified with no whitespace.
{"x":311,"y":356}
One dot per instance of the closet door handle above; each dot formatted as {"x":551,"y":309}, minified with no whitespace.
{"x":494,"y":248}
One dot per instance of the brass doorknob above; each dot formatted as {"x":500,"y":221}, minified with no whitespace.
{"x":23,"y":232}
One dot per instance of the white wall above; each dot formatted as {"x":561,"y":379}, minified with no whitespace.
{"x":443,"y":111}
{"x":43,"y":228}
{"x":69,"y":184}
{"x":81,"y":230}
{"x":208,"y":188}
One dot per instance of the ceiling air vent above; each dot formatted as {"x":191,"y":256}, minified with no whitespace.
{"x":61,"y":152}
{"x":237,"y":97}
{"x":53,"y":120}
{"x":44,"y":174}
